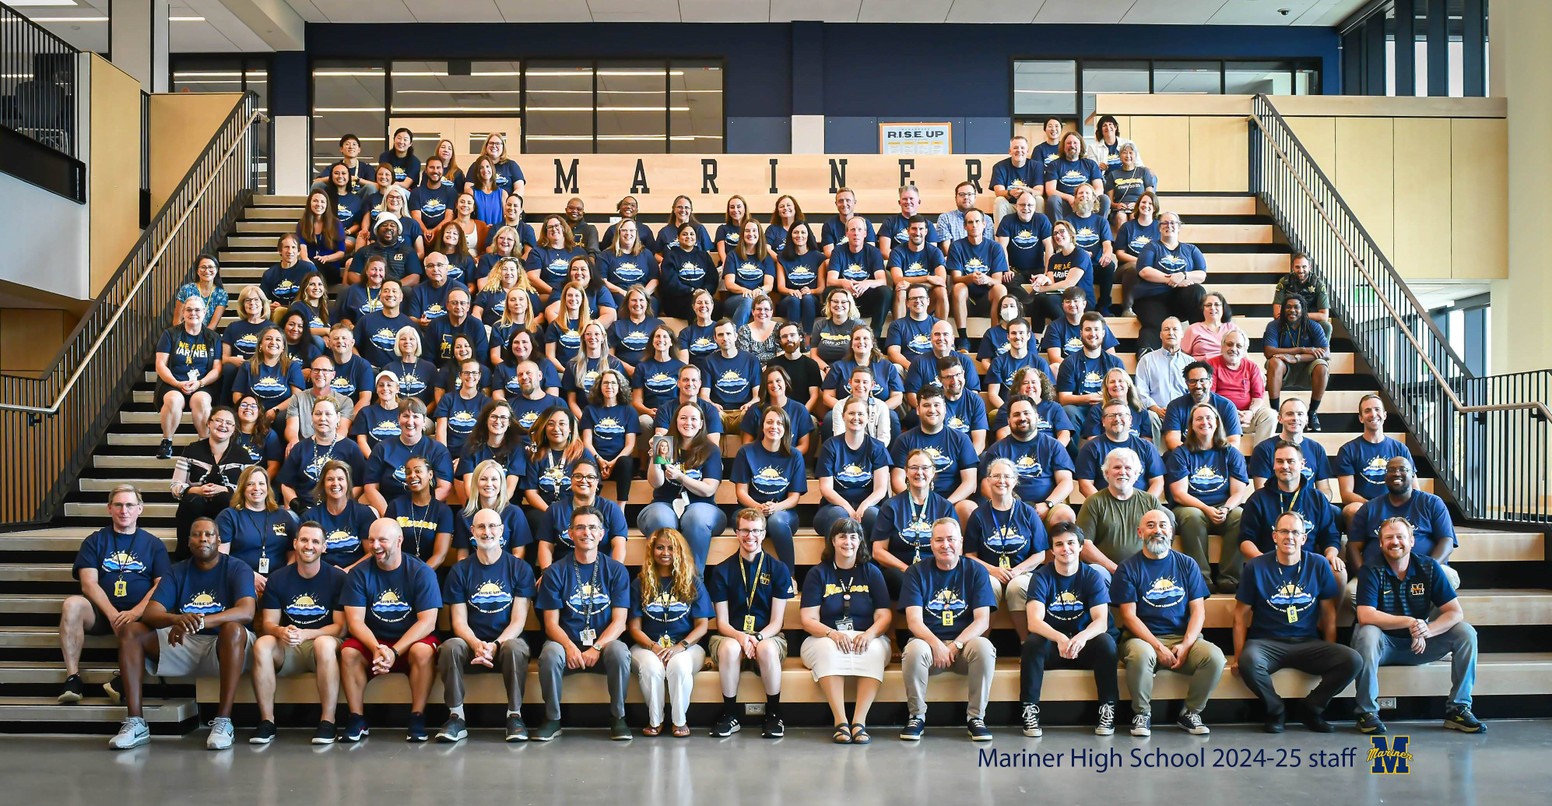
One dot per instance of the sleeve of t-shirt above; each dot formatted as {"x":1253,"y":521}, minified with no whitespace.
{"x":742,"y":472}
{"x":1260,"y":464}
{"x":619,"y":585}
{"x":910,"y":590}
{"x":1123,"y":589}
{"x":89,"y":556}
{"x":1066,"y":377}
{"x":1059,"y":458}
{"x":813,"y":589}
{"x":1098,"y":592}
{"x":781,"y":581}
{"x":1369,"y":589}
{"x":1249,"y":590}
{"x":1237,"y":465}
{"x":1087,"y":466}
{"x":1175,"y":466}
{"x":239,"y":580}
{"x":978,"y":587}
{"x":828,"y":458}
{"x":878,"y":588}
{"x":1040,"y":588}
{"x":717,"y":584}
{"x":1155,"y":464}
{"x":1440,"y":517}
{"x":1326,"y":581}
{"x":455,"y":590}
{"x":1442,"y":592}
{"x":353,"y":594}
{"x":551,"y":592}
{"x":1196,"y":588}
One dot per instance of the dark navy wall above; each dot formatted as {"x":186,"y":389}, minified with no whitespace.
{"x":859,"y":72}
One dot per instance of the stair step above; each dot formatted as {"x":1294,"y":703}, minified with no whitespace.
{"x":45,"y":638}
{"x":31,"y":602}
{"x":153,"y":440}
{"x":51,"y":674}
{"x":91,"y":510}
{"x":93,"y":709}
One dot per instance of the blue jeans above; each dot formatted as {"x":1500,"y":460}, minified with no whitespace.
{"x":701,"y":522}
{"x":737,"y":309}
{"x":828,"y":514}
{"x":779,"y":527}
{"x":1378,"y":649}
{"x":805,"y":309}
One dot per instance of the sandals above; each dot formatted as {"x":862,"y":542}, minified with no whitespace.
{"x":859,"y":734}
{"x":651,"y":730}
{"x":842,"y":734}
{"x":681,"y":731}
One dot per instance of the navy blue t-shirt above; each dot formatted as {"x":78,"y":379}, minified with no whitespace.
{"x":243,"y":337}
{"x":386,"y":467}
{"x":1207,"y":472}
{"x":731,"y":381}
{"x":376,"y":334}
{"x":1178,"y":413}
{"x":770,"y":476}
{"x":421,"y":524}
{"x":307,"y":604}
{"x":802,"y":271}
{"x":553,"y":265}
{"x":666,"y":615}
{"x":257,"y":535}
{"x":1279,"y":335}
{"x":514,"y":529}
{"x":585,"y":595}
{"x":1365,"y":461}
{"x":558,"y":529}
{"x":1005,"y":539}
{"x":1006,"y":175}
{"x":951,"y":452}
{"x":966,"y":414}
{"x":1267,"y":504}
{"x":966,"y":258}
{"x":1026,"y":242}
{"x":304,"y":464}
{"x":1183,"y":258}
{"x":486,"y":592}
{"x":924,"y":373}
{"x":865,"y":265}
{"x":1317,"y":467}
{"x":1429,"y":518}
{"x":630,"y":340}
{"x":628,"y":270}
{"x":912,"y":337}
{"x":1424,"y":590}
{"x":834,"y":232}
{"x":1068,"y":337}
{"x":610,"y":426}
{"x":700,"y":341}
{"x":657,"y":380}
{"x":1059,"y":265}
{"x":392,"y":599}
{"x":550,"y":474}
{"x":189,"y":354}
{"x":1082,"y":375}
{"x":907,"y":525}
{"x":1004,"y":366}
{"x":1069,"y":174}
{"x":749,"y":588}
{"x":271,"y":384}
{"x":682,"y":273}
{"x":1068,"y":600}
{"x":1134,"y":237}
{"x":377,"y":424}
{"x":948,"y":599}
{"x":1037,"y":462}
{"x":800,"y":421}
{"x":853,"y":593}
{"x":1162,"y":589}
{"x":916,"y":264}
{"x":137,"y":559}
{"x":188,"y":590}
{"x":434,"y":204}
{"x":851,"y":469}
{"x":343,"y":534}
{"x":1285,"y":600}
{"x":1091,"y":460}
{"x":1090,"y":234}
{"x":461,"y":414}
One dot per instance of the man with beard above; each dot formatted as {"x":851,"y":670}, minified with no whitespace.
{"x":1433,"y":533}
{"x":400,"y":260}
{"x":1297,"y":354}
{"x":300,"y":624}
{"x":1045,"y":470}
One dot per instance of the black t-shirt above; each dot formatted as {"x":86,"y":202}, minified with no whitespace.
{"x":804,"y":373}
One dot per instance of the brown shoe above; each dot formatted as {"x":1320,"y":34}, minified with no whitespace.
{"x":681,"y":731}
{"x":651,"y":730}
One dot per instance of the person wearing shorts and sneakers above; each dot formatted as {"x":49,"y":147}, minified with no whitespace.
{"x":300,"y":623}
{"x":750,"y":591}
{"x":391,"y":602}
{"x":118,"y":567}
{"x":196,"y":625}
{"x":948,"y":606}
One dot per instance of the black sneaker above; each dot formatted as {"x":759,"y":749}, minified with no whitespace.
{"x":517,"y":730}
{"x":263,"y":734}
{"x":114,"y":689}
{"x":1316,"y":722}
{"x":619,"y":731}
{"x":1030,"y":716}
{"x":1191,"y":722}
{"x":1463,"y":720}
{"x":326,"y":733}
{"x":1273,"y":723}
{"x":978,"y":731}
{"x":1314,"y":422}
{"x":548,"y":730}
{"x":1370,"y":723}
{"x":913,"y":730}
{"x":356,"y":728}
{"x":165,"y":451}
{"x":1142,"y":724}
{"x":416,"y":732}
{"x":1106,"y":726}
{"x":774,"y":728}
{"x":453,"y":730}
{"x":726,"y":726}
{"x":74,"y":690}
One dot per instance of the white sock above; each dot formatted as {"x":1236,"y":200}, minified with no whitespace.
{"x":511,"y":713}
{"x":457,"y":711}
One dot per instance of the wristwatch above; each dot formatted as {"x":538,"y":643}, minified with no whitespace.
{"x":959,"y":645}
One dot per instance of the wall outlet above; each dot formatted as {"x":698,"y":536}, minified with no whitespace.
{"x":1386,"y":703}
{"x":758,"y":708}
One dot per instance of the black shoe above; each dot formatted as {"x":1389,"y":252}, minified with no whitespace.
{"x":454,"y":730}
{"x":356,"y":728}
{"x":416,"y":731}
{"x":619,"y":731}
{"x":326,"y":733}
{"x":1314,"y":422}
{"x":263,"y":734}
{"x":726,"y":726}
{"x":517,"y":730}
{"x":165,"y":451}
{"x":73,"y":690}
{"x":774,"y":728}
{"x":1370,"y":723}
{"x":1463,"y":720}
{"x":1316,"y":722}
{"x":1273,"y":723}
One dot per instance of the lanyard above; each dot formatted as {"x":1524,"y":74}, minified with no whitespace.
{"x":751,"y":590}
{"x":998,"y":529}
{"x":846,"y":587}
{"x":259,"y":530}
{"x":587,"y":614}
{"x":1293,"y":502}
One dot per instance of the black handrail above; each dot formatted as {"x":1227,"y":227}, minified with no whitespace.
{"x":38,"y":82}
{"x":1486,"y":437}
{"x":54,"y":421}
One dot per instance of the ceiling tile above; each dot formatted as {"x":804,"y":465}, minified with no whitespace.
{"x":905,"y":10}
{"x":364,"y":10}
{"x":537,"y":11}
{"x":1260,"y":12}
{"x":430,"y":11}
{"x":996,"y":11}
{"x":825,"y":10}
{"x":634,"y":10}
{"x":1099,"y":12}
{"x":306,"y":10}
{"x":725,"y":10}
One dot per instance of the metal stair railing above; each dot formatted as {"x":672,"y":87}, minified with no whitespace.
{"x":1487,"y":437}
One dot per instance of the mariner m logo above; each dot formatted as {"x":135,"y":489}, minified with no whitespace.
{"x":1390,"y":758}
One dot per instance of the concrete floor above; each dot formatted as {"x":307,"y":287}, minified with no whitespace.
{"x":1508,"y":766}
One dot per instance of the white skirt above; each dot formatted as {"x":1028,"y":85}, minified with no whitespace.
{"x":825,"y":659}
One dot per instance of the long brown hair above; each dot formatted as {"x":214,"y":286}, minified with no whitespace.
{"x":697,"y":451}
{"x":682,"y":582}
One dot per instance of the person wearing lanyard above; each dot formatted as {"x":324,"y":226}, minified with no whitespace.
{"x":391,"y":603}
{"x":1068,"y":614}
{"x":256,"y":530}
{"x":1285,"y":618}
{"x":1290,"y":491}
{"x":902,"y":535}
{"x":670,"y":610}
{"x":846,"y":613}
{"x":385,"y":470}
{"x":488,"y":595}
{"x":1006,"y":536}
{"x":426,"y":522}
{"x":118,"y":566}
{"x":584,"y":600}
{"x":750,"y":591}
{"x":304,"y":463}
{"x":196,"y":624}
{"x":948,"y":606}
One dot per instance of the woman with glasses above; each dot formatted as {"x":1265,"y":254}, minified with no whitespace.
{"x":554,"y":542}
{"x":846,"y":611}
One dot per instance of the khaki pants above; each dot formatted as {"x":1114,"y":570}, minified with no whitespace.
{"x":1204,"y":664}
{"x":977,"y":662}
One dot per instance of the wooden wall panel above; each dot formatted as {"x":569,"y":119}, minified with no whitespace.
{"x":1364,"y":174}
{"x":113,"y":178}
{"x":1423,"y":189}
{"x":181,"y":126}
{"x":1159,"y":139}
{"x":30,"y":337}
{"x":1319,"y":138}
{"x":1479,"y":221}
{"x":1220,"y":154}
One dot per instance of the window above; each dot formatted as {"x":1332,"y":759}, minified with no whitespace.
{"x":1101,"y":77}
{"x":1066,"y":89}
{"x":695,"y":107}
{"x":349,"y":98}
{"x":1194,"y":78}
{"x":1045,"y":88}
{"x":228,"y":74}
{"x":560,"y":108}
{"x":456,"y":88}
{"x":632,"y":115}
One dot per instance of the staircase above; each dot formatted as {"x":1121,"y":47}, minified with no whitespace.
{"x":1246,"y":253}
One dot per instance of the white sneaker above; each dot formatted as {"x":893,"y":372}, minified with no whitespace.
{"x":220,"y":734}
{"x":133,"y":733}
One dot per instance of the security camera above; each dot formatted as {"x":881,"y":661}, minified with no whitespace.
{"x":1285,"y":11}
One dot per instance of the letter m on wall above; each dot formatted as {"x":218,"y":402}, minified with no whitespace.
{"x":1390,"y":757}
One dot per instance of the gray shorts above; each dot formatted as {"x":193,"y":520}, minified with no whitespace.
{"x":197,"y":656}
{"x":1301,"y":374}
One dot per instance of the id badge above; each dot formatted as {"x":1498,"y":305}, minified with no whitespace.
{"x":1004,"y":562}
{"x":264,"y":565}
{"x":120,"y":589}
{"x":749,"y":624}
{"x":843,"y":624}
{"x":948,"y":618}
{"x":665,"y":642}
{"x":1293,"y":614}
{"x":588,"y":636}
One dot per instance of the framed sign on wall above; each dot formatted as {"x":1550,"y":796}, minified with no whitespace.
{"x":915,"y":138}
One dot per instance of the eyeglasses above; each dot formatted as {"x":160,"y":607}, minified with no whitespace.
{"x":584,"y":477}
{"x":745,"y":532}
{"x":1286,"y":532}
